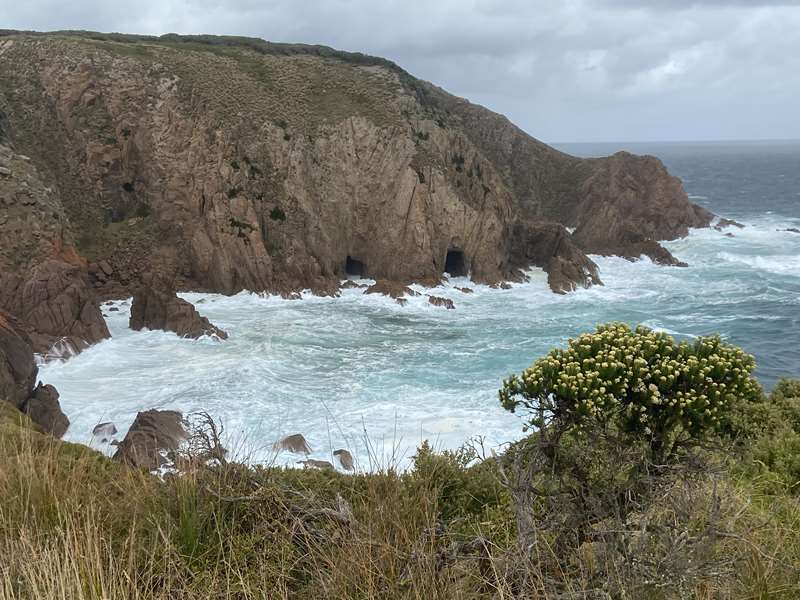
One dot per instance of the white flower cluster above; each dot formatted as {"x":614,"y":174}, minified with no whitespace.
{"x":641,"y":376}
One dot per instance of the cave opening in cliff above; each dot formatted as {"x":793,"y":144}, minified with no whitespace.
{"x":353,"y":267}
{"x":455,"y":264}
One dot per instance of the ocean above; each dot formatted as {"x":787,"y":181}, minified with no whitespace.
{"x":363,"y":373}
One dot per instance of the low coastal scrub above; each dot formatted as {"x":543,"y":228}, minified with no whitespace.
{"x":653,"y":469}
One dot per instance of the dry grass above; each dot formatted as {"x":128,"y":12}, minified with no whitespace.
{"x":74,"y":525}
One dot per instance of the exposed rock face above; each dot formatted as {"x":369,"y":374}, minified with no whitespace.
{"x":57,"y":306}
{"x":153,"y":435}
{"x":18,"y":372}
{"x":155,"y":306}
{"x":44,"y":410}
{"x":628,"y":203}
{"x":279,"y":168}
{"x":18,"y":369}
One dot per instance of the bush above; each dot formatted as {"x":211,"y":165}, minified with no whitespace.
{"x":640,"y":382}
{"x":769,"y":438}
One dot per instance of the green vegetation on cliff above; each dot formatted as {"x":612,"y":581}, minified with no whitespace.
{"x":589,"y":505}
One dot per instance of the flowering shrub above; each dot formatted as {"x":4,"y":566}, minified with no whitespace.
{"x":639,"y":381}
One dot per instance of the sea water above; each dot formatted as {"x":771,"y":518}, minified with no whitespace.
{"x":364,"y":373}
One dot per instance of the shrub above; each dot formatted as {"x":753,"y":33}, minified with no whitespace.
{"x":640,"y":382}
{"x":277,"y":214}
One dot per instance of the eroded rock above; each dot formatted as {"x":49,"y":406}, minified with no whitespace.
{"x":58,"y":308}
{"x":393,"y":289}
{"x":18,"y":374}
{"x":156,"y":306}
{"x":723,"y":223}
{"x":551,"y":247}
{"x":44,"y":409}
{"x":294,"y":443}
{"x":345,"y":459}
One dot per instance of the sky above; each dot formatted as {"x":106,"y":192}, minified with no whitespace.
{"x":563,"y":70}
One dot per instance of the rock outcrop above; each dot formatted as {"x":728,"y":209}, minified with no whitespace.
{"x":295,"y":443}
{"x":152,"y":439}
{"x":156,"y":306}
{"x":441,"y":302}
{"x":280,"y":168}
{"x":18,"y":374}
{"x":57,"y":306}
{"x":551,"y":247}
{"x":44,"y":409}
{"x":628,"y":203}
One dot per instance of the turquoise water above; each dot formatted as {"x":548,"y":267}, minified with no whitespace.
{"x":365,"y":373}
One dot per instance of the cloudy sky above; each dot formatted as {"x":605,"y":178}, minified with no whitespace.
{"x":564,"y":70}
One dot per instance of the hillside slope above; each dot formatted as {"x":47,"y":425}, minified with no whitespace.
{"x":242,"y":164}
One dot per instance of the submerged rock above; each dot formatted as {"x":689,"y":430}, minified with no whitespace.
{"x":393,"y":289}
{"x":151,"y":439}
{"x":439,"y":301}
{"x":156,"y":306}
{"x":723,"y":223}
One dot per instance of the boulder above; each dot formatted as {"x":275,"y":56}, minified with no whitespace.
{"x":44,"y":409}
{"x":104,"y":431}
{"x":58,"y":307}
{"x":345,"y":459}
{"x":153,"y":436}
{"x":439,"y":301}
{"x":156,"y":306}
{"x":294,"y":443}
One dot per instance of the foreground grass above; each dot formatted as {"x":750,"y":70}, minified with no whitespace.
{"x":75,"y":525}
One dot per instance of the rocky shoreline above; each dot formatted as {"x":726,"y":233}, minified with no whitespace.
{"x":139,"y":166}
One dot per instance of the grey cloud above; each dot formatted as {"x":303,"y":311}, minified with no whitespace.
{"x":569,"y":70}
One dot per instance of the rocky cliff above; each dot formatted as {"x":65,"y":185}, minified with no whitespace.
{"x":270,"y":167}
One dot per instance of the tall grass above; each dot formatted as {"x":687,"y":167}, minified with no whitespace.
{"x":74,"y":525}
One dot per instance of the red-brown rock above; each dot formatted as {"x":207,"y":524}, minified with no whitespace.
{"x":57,"y":306}
{"x":18,"y":373}
{"x":44,"y":409}
{"x":153,"y":435}
{"x":156,"y":306}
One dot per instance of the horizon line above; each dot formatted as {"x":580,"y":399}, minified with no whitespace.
{"x":682,"y":141}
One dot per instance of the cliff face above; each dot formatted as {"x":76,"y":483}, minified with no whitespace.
{"x":243,"y":164}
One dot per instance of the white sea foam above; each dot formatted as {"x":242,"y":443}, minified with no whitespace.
{"x":364,"y":373}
